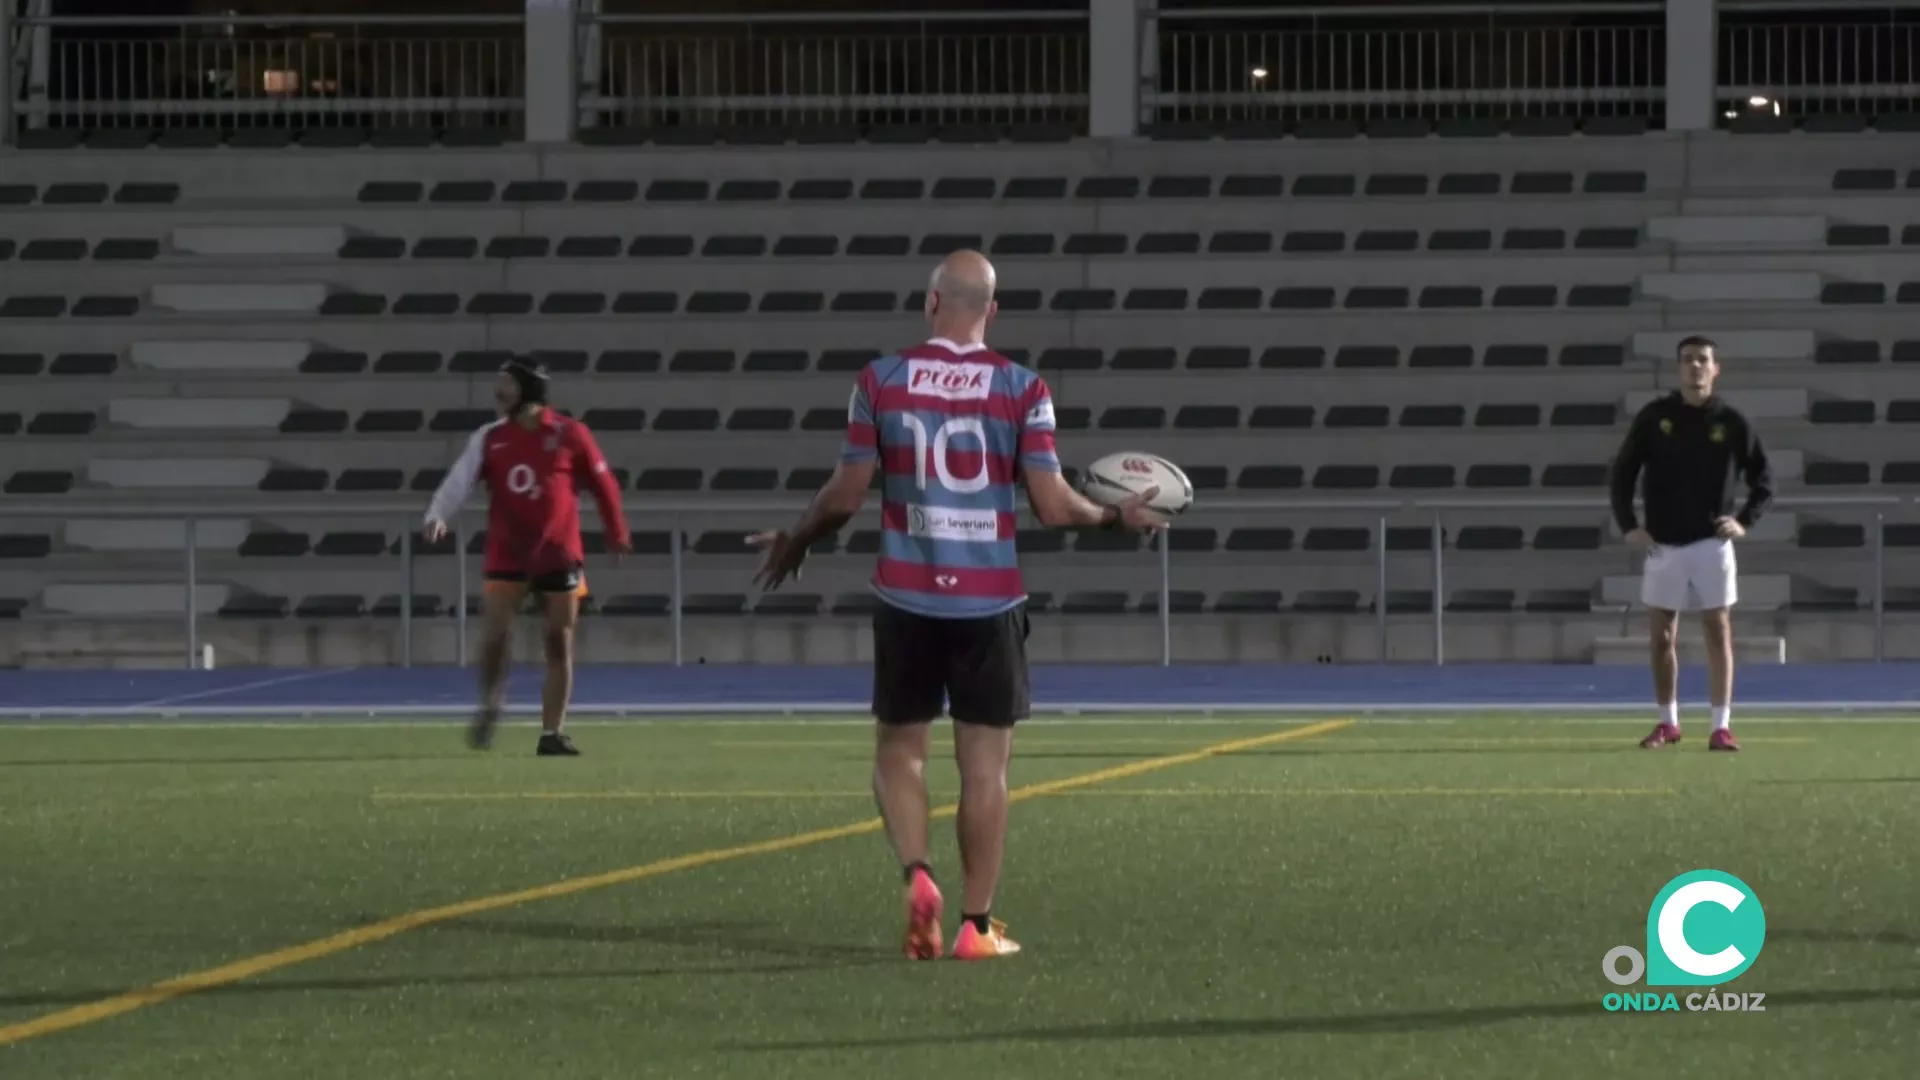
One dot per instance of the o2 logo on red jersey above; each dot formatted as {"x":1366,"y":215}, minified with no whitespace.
{"x":942,"y":437}
{"x":522,"y":481}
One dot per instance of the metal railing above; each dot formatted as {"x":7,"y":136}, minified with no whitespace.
{"x":240,"y":71}
{"x":1381,"y":517}
{"x":1287,"y":63}
{"x":1364,"y":62}
{"x":1770,"y":63}
{"x":934,"y":68}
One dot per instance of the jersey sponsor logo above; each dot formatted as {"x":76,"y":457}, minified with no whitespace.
{"x":942,"y":523}
{"x":1717,"y":434}
{"x":949,"y":381}
{"x":1666,"y":426}
{"x":947,"y":581}
{"x":522,"y":481}
{"x":1041,"y":415}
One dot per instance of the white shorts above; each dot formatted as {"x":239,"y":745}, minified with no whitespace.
{"x":1693,"y":577}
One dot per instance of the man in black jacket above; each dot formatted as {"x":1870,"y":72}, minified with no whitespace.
{"x":1685,"y":452}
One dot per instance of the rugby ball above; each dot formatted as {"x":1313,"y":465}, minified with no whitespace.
{"x":1113,"y":478}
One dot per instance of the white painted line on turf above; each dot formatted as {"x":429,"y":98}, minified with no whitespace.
{"x":258,"y":684}
{"x":202,"y":721}
{"x":737,"y":711}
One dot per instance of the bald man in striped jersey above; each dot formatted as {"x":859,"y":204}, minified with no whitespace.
{"x":954,"y":428}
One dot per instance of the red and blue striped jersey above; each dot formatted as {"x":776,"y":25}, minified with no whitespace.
{"x":952,"y":426}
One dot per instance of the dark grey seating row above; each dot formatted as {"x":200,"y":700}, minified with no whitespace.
{"x":337,"y":133}
{"x":58,"y":423}
{"x":283,"y":544}
{"x":1484,"y":476}
{"x":1871,"y":236}
{"x":790,"y":605}
{"x":878,"y":301}
{"x":1169,"y":128}
{"x":1144,"y":358}
{"x":1018,"y":188}
{"x":1873,"y":179}
{"x":1866,"y":352}
{"x":743,"y":246}
{"x":112,"y":249}
{"x":83,"y":307}
{"x":1205,"y":477}
{"x":135,"y":193}
{"x":1869,"y":293}
{"x":1193,"y":417}
{"x":1185,"y":601}
{"x":773,"y":361}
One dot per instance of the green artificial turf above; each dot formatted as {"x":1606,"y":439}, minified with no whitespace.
{"x":1426,"y":899}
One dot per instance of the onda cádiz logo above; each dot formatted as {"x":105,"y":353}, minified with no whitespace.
{"x":1705,"y":928}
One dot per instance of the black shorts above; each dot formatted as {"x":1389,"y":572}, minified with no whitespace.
{"x":978,"y":665}
{"x":571,"y":580}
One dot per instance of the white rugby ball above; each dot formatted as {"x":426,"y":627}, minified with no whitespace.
{"x":1113,"y":478}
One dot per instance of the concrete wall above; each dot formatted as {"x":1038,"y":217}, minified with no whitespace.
{"x":1295,"y":639}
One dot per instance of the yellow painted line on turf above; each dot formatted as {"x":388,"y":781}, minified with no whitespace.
{"x":1109,"y":793}
{"x":561,"y":796}
{"x":254,"y":966}
{"x":1089,"y":742}
{"x":1497,"y":740}
{"x":1238,"y":793}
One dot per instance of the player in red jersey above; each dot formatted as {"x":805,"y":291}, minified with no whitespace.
{"x":530,"y":460}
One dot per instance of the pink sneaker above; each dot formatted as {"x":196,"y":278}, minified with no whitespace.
{"x":1663,"y":735}
{"x":1722,"y":739}
{"x":924,"y":905}
{"x":974,"y":945}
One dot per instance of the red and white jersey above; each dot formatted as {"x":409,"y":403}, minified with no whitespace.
{"x":533,"y":512}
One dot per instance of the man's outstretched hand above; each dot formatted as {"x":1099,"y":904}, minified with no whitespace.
{"x":1137,"y":516}
{"x":780,"y":559}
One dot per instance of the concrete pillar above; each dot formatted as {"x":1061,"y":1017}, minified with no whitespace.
{"x":587,"y":58}
{"x":8,"y":73}
{"x":1693,"y":64}
{"x":552,"y":98}
{"x":1113,"y":84}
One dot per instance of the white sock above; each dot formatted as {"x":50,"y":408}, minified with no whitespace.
{"x":1670,"y":714}
{"x":1722,"y":716}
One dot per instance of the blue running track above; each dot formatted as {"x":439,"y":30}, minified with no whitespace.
{"x":730,"y":689}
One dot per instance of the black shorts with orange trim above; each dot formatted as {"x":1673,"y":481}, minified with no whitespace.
{"x":572,"y":580}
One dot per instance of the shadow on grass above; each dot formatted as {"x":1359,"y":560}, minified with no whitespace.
{"x":1844,"y":937}
{"x":200,"y":762}
{"x":736,"y":948}
{"x":1361,"y":1024}
{"x":721,"y":937}
{"x":403,"y":982}
{"x":1846,"y":780}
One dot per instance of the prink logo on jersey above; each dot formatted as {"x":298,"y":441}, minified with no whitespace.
{"x":1705,"y":928}
{"x":949,"y":381}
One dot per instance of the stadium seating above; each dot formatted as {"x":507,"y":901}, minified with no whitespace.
{"x":1383,"y":334}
